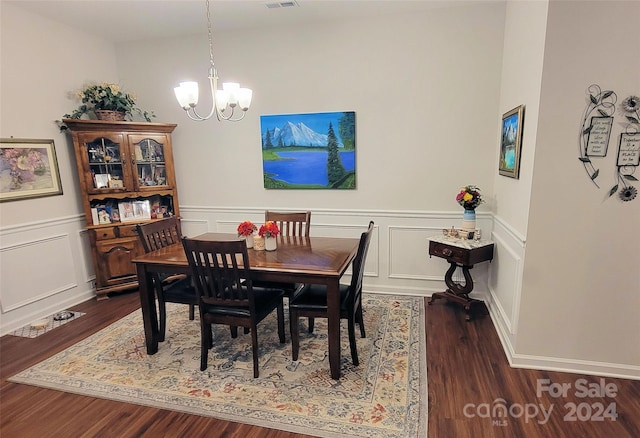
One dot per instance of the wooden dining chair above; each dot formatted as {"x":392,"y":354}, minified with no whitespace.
{"x":172,"y":288}
{"x":290,"y":224}
{"x":295,"y":224}
{"x":221,"y":274}
{"x":311,"y":301}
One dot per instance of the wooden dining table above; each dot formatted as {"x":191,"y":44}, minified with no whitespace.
{"x":310,"y":260}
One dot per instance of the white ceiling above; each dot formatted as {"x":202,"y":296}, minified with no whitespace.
{"x":131,"y":20}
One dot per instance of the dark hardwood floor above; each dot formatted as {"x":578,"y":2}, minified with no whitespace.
{"x":468,"y":374}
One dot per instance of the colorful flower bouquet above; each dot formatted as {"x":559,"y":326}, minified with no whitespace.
{"x":269,"y":229}
{"x":469,"y":197}
{"x":246,"y":228}
{"x":23,"y":164}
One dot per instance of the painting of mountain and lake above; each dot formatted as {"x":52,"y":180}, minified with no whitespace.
{"x":309,"y":151}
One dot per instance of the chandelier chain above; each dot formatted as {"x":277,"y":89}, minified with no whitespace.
{"x":210,"y":34}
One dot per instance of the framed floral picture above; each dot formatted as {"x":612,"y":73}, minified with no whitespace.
{"x":511,"y":142}
{"x":28,"y":169}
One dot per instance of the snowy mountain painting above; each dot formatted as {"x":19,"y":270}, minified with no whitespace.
{"x":309,"y":151}
{"x":510,"y":142}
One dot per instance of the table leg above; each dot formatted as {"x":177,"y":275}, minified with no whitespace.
{"x":456,"y":292}
{"x":148,"y":305}
{"x":457,"y":288}
{"x":333,"y":310}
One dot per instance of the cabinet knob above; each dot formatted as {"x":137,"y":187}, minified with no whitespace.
{"x":447,"y":252}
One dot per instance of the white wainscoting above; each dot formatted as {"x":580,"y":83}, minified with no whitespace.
{"x":505,"y":284}
{"x":45,"y":267}
{"x":398,"y":261}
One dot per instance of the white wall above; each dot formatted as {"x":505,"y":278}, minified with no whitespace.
{"x":424,"y":88}
{"x":522,"y":62}
{"x":46,"y":263}
{"x":580,"y":287}
{"x":42,"y":63}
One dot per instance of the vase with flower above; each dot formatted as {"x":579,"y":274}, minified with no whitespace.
{"x":269,"y":231}
{"x":246,"y":230}
{"x":469,"y":198}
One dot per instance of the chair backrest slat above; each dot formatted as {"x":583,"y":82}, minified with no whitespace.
{"x":358,"y":263}
{"x":160,"y":233}
{"x":290,"y":224}
{"x":220,"y":271}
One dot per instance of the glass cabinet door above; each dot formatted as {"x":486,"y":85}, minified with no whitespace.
{"x":105,"y":159}
{"x":150,"y":164}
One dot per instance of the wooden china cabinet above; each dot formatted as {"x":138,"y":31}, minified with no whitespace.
{"x":127,"y":177}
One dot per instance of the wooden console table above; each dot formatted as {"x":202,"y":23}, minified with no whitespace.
{"x":464,"y":254}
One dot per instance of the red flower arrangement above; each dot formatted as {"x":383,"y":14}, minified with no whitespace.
{"x":269,"y":229}
{"x":246,"y":228}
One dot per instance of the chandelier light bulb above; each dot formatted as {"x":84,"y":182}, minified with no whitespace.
{"x":244,"y":98}
{"x":187,"y":94}
{"x":231,"y":88}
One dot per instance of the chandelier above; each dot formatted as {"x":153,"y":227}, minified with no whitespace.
{"x":225,"y":101}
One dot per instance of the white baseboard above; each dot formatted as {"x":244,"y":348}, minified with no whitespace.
{"x":560,"y":364}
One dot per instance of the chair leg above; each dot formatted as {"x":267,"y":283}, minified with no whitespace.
{"x":162,"y":315}
{"x":205,"y":341}
{"x":234,"y":331}
{"x":352,"y":342}
{"x":280,"y":311}
{"x":295,"y":337}
{"x":311,"y":321}
{"x":192,"y":312}
{"x":254,"y":345}
{"x":360,"y":320}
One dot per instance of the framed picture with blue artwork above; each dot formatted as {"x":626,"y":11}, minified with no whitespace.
{"x":511,"y":142}
{"x":309,"y":151}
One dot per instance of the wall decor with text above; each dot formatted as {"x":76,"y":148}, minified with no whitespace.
{"x":628,"y":158}
{"x":595,"y":133}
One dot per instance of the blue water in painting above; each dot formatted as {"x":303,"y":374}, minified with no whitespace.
{"x":302,"y":167}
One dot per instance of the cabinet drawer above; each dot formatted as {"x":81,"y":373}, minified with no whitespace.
{"x":105,"y":233}
{"x":462,"y":256}
{"x":127,"y":231}
{"x":449,"y":252}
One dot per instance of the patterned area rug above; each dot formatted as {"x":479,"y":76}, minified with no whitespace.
{"x":386,"y":396}
{"x":47,"y":324}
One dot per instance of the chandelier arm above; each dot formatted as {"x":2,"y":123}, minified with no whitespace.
{"x":213,"y":83}
{"x":193,"y":112}
{"x":237,"y":119}
{"x":196,"y":118}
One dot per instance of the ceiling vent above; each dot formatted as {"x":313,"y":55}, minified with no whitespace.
{"x":284,"y":4}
